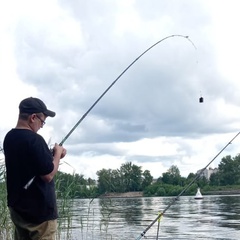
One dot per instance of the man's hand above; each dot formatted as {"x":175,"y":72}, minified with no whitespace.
{"x":59,"y":151}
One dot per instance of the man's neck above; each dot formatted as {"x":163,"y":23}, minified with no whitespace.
{"x":21,"y":124}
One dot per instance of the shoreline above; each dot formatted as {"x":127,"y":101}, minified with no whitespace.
{"x":140,"y":194}
{"x":223,"y":192}
{"x":122,"y":195}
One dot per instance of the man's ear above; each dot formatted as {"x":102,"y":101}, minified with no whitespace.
{"x":32,"y":118}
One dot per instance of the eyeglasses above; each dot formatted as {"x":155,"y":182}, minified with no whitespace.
{"x":43,"y":122}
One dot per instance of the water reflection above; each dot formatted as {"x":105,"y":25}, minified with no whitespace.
{"x":229,"y":211}
{"x":133,"y":210}
{"x":214,"y":217}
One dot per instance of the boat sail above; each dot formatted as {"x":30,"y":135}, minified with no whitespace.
{"x":198,"y":194}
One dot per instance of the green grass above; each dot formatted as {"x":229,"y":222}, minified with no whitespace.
{"x":65,"y":221}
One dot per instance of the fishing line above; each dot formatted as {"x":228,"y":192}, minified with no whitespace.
{"x":110,"y":86}
{"x":184,"y":190}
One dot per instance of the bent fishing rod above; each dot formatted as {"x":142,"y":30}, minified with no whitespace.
{"x":110,"y":86}
{"x":184,"y":190}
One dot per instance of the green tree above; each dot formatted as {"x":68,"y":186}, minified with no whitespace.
{"x":104,"y":181}
{"x":229,"y":171}
{"x":132,"y":176}
{"x":161,"y":192}
{"x":159,"y":180}
{"x":136,"y":178}
{"x":73,"y":186}
{"x":151,"y":189}
{"x":214,"y":179}
{"x":117,"y":181}
{"x":147,"y":179}
{"x":236,"y":160}
{"x":202,"y":181}
{"x":190,"y":177}
{"x":172,"y":176}
{"x":91,"y":181}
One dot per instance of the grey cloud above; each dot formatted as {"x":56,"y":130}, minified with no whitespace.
{"x":158,"y":96}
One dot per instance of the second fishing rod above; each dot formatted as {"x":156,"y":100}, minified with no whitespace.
{"x":173,"y":201}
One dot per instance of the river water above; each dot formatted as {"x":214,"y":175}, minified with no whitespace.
{"x":213,"y":217}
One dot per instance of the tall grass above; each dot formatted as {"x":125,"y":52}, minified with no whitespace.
{"x":67,"y":222}
{"x":65,"y":203}
{"x":6,"y":226}
{"x":85,"y":224}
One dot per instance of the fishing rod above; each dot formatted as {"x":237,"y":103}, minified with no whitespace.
{"x":184,"y":190}
{"x":110,"y":86}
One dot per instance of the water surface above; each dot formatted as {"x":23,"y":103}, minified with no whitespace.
{"x":214,"y":217}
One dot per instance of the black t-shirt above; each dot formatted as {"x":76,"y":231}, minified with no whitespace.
{"x":26,"y":156}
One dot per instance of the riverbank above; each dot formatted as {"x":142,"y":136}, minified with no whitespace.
{"x":122,"y":195}
{"x":140,"y":194}
{"x":223,"y":192}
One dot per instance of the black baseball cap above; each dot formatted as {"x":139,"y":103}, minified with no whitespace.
{"x":35,"y":105}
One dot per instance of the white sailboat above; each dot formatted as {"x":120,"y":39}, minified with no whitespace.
{"x":198,"y":194}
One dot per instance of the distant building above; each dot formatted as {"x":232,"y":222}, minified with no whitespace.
{"x":207,"y":172}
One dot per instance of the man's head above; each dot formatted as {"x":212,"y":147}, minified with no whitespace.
{"x":34,"y":105}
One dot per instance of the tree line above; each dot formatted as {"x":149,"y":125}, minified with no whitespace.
{"x":130,"y":177}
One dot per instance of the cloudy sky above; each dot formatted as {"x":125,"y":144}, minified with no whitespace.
{"x":67,"y":52}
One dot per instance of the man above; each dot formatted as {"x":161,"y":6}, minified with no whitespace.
{"x":30,"y":168}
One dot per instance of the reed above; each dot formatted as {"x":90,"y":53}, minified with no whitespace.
{"x":65,"y":203}
{"x":106,"y":212}
{"x":87,"y":228}
{"x":6,"y":226}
